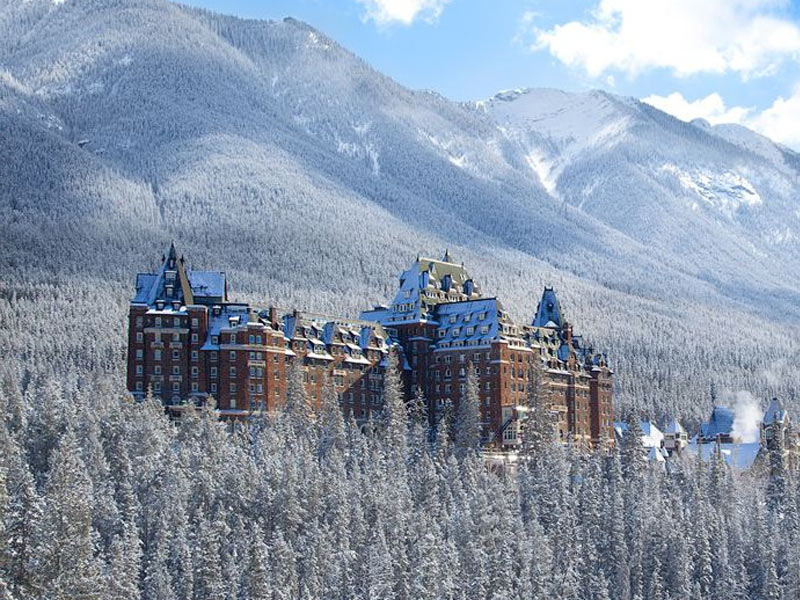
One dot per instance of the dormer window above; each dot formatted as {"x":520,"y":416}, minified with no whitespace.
{"x":160,"y":305}
{"x":176,"y":306}
{"x":456,"y":331}
{"x":170,"y":275}
{"x":170,"y":289}
{"x":452,"y":318}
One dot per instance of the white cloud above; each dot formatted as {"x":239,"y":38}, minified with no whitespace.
{"x":686,"y":36}
{"x":711,"y":108}
{"x":780,"y":122}
{"x":405,"y":12}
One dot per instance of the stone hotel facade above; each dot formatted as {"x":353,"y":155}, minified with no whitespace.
{"x":187,"y":342}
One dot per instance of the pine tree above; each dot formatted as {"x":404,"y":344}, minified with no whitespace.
{"x":467,"y":426}
{"x":299,"y":409}
{"x":65,"y":563}
{"x":126,"y":557}
{"x":331,"y":422}
{"x":395,"y":413}
{"x":257,"y":575}
{"x":538,"y":430}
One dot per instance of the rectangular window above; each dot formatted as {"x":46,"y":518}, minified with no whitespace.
{"x":251,"y":339}
{"x":176,"y":337}
{"x":158,"y":321}
{"x":177,"y":322}
{"x":213,"y":371}
{"x":194,"y":372}
{"x":157,"y":387}
{"x":194,"y":338}
{"x":194,"y":386}
{"x":232,"y":387}
{"x":232,"y":355}
{"x":139,"y":321}
{"x":176,"y":370}
{"x":258,"y":339}
{"x":176,"y":387}
{"x":176,"y":354}
{"x":138,"y":369}
{"x":195,"y":355}
{"x":233,"y":372}
{"x":195,"y":322}
{"x":139,"y":337}
{"x":215,"y":339}
{"x":138,"y":386}
{"x":233,"y":338}
{"x":213,"y":357}
{"x":213,"y":388}
{"x":139,"y":354}
{"x":157,"y":370}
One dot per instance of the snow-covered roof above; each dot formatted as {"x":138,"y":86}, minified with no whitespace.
{"x":425,"y":284}
{"x":468,"y":323}
{"x":655,"y":455}
{"x":548,"y":313}
{"x":721,"y":423}
{"x":207,"y":284}
{"x":775,"y":413}
{"x":187,"y":287}
{"x":674,"y":427}
{"x":218,"y":322}
{"x":739,"y":456}
{"x":651,"y":435}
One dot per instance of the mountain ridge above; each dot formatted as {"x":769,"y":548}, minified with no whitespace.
{"x":269,"y":151}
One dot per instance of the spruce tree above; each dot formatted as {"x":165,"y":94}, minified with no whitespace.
{"x":467,"y":426}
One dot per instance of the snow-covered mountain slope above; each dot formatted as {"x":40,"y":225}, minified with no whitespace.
{"x":657,"y":179}
{"x":268,"y":150}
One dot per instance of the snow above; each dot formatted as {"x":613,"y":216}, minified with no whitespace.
{"x":739,"y":456}
{"x":726,"y":191}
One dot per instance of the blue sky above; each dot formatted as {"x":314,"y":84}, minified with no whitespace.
{"x":723,"y":60}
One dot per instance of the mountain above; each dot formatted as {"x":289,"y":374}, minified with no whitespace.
{"x":723,"y":197}
{"x":268,"y":150}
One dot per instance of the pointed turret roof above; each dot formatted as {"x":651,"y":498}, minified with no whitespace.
{"x":184,"y":285}
{"x":548,"y":313}
{"x":775,"y":413}
{"x":447,"y":258}
{"x":674,"y":427}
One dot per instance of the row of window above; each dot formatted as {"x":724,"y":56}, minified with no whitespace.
{"x":162,"y":322}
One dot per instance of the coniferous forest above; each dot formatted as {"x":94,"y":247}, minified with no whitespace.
{"x":105,"y":498}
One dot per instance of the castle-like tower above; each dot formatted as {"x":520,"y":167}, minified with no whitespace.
{"x":187,"y":343}
{"x":444,"y":324}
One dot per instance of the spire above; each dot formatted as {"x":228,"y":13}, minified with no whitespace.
{"x":446,"y":258}
{"x":548,"y":313}
{"x":172,"y":252}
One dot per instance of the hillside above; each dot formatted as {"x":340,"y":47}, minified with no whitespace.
{"x":269,"y":151}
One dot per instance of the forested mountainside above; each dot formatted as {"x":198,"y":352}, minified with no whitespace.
{"x":267,"y":150}
{"x":102,"y":497}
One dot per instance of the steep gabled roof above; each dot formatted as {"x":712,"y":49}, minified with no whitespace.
{"x":188,"y":287}
{"x":721,"y":423}
{"x":674,"y":427}
{"x":775,"y":413}
{"x":548,"y":313}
